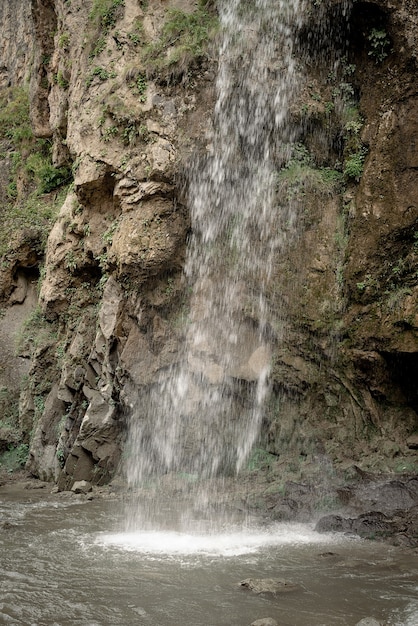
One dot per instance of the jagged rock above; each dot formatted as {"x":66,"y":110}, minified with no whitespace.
{"x":148,"y":238}
{"x":369,"y":621}
{"x":110,"y":307}
{"x":348,"y":274}
{"x":373,"y":524}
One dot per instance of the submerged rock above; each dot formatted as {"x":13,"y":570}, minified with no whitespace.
{"x":265,"y":621}
{"x":270,"y":585}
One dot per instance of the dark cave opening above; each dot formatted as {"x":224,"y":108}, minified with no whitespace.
{"x":368,"y":32}
{"x":403,"y":370}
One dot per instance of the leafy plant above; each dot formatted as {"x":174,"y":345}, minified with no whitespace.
{"x":354,"y":164}
{"x":300,"y":174}
{"x":105,"y":13}
{"x":140,"y":87}
{"x":101,"y":72}
{"x":45,"y":174}
{"x":136,"y":36}
{"x":98,"y":47}
{"x":70,"y":262}
{"x":15,"y":457}
{"x":379,"y":44}
{"x":109,"y":233}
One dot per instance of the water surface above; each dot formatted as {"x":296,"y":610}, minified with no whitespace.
{"x":65,"y":561}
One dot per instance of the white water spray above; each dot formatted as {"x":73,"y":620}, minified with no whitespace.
{"x":203,"y":418}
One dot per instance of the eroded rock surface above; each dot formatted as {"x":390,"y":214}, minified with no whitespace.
{"x":344,"y":340}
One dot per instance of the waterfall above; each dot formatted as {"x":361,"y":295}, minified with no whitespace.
{"x":204,"y":416}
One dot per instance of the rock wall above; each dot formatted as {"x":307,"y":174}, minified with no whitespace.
{"x":128,"y":110}
{"x":17,"y":42}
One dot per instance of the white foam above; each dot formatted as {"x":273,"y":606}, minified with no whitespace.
{"x":224,"y":544}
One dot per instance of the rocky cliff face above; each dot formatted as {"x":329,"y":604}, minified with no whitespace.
{"x":123,"y":93}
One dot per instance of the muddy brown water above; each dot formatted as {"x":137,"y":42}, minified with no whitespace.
{"x":67,"y":561}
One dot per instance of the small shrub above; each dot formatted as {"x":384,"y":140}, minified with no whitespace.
{"x":101,"y":73}
{"x":15,"y":457}
{"x":136,"y":36}
{"x":300,"y":175}
{"x":46,"y":176}
{"x":354,"y":165}
{"x":379,"y":44}
{"x":105,"y":13}
{"x":98,"y":47}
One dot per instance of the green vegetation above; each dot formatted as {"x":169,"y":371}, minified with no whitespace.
{"x":139,"y":86}
{"x":136,"y":36}
{"x":14,"y":115}
{"x":35,"y":332}
{"x":105,"y":13}
{"x":103,"y":16}
{"x":13,"y":454}
{"x":9,"y":409}
{"x":98,"y":47}
{"x":14,"y":458}
{"x":259,"y":460}
{"x":354,"y":164}
{"x":379,"y":44}
{"x":31,"y":175}
{"x":368,"y":283}
{"x":45,"y":175}
{"x":100,"y":72}
{"x":60,"y":80}
{"x":300,"y":174}
{"x":183,"y":42}
{"x":354,"y":152}
{"x":64,"y":41}
{"x":116,"y":120}
{"x":110,"y":232}
{"x":32,"y":213}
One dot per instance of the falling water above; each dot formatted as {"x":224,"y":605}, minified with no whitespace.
{"x":204,"y":417}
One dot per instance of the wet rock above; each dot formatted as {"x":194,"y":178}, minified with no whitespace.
{"x":372,"y":524}
{"x":369,"y":621}
{"x":368,"y":525}
{"x":81,"y":486}
{"x":270,"y":585}
{"x":265,"y":621}
{"x":333,"y":523}
{"x":399,"y":528}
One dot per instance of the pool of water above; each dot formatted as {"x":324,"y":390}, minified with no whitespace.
{"x":67,"y":561}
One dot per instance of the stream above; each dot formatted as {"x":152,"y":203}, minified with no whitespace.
{"x":66,"y":561}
